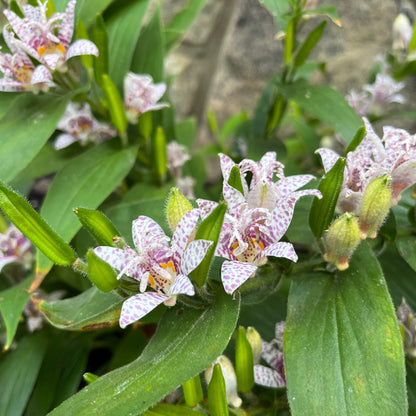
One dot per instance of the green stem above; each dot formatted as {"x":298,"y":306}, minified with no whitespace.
{"x":79,"y":266}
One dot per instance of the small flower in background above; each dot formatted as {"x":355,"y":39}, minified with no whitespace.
{"x":359,"y":101}
{"x":79,"y":124}
{"x":141,"y":95}
{"x":15,"y":248}
{"x":257,"y":218}
{"x":407,"y":321}
{"x":186,"y":186}
{"x":402,"y":33}
{"x":177,"y":156}
{"x":230,"y":379}
{"x":156,"y":264}
{"x":46,"y":40}
{"x":272,"y":353}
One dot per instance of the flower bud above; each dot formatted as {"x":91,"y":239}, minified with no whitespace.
{"x":244,"y":362}
{"x":230,"y":379}
{"x":176,"y":207}
{"x":375,"y":206}
{"x":402,"y":32}
{"x":253,"y":337}
{"x":192,"y":391}
{"x":342,"y":238}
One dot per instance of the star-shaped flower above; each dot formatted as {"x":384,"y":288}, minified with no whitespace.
{"x":156,"y":264}
{"x":14,"y":248}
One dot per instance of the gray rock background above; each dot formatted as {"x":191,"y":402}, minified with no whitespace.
{"x":230,"y":52}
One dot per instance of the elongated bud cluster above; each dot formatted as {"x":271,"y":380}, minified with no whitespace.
{"x":342,"y":238}
{"x":375,"y":206}
{"x":176,"y":207}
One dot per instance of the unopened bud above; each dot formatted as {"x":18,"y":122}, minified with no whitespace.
{"x":244,"y":362}
{"x":402,"y":32}
{"x":230,"y":379}
{"x":375,"y":206}
{"x":253,"y":337}
{"x":342,"y":238}
{"x":192,"y":391}
{"x":176,"y":207}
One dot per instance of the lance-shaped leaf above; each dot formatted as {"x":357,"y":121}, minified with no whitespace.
{"x":166,"y":409}
{"x":32,"y":225}
{"x":160,"y":159}
{"x":101,"y":273}
{"x":98,"y":225}
{"x":342,"y":345}
{"x":100,"y":38}
{"x":358,"y":138}
{"x":244,"y":367}
{"x":217,"y":397}
{"x":234,"y":179}
{"x":87,"y":60}
{"x":209,"y":229}
{"x":186,"y":342}
{"x":322,"y":210}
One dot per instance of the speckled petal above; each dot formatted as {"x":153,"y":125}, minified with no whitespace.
{"x":329,"y":157}
{"x":291,"y":183}
{"x":226,"y":166}
{"x":281,"y":217}
{"x":206,"y":207}
{"x":281,"y":249}
{"x":137,"y":306}
{"x":193,"y":255}
{"x":146,"y":231}
{"x":181,"y":285}
{"x":233,"y":197}
{"x":278,"y":333}
{"x":403,"y":177}
{"x":67,"y":26}
{"x":115,"y":257}
{"x":81,"y":47}
{"x":41,"y":75}
{"x":64,"y":140}
{"x":51,"y":60}
{"x":268,"y":377}
{"x":234,"y":274}
{"x":183,"y":232}
{"x":7,"y":85}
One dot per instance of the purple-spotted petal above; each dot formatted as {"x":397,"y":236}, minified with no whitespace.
{"x":281,"y":249}
{"x":235,"y":273}
{"x":206,"y":207}
{"x":137,"y":306}
{"x":41,"y":75}
{"x":64,"y":140}
{"x":81,"y":47}
{"x":233,"y":197}
{"x":116,"y":257}
{"x":181,"y":285}
{"x":329,"y":158}
{"x":183,"y":233}
{"x":193,"y":255}
{"x":67,"y":26}
{"x":268,"y":377}
{"x":281,"y":217}
{"x":146,"y":231}
{"x":51,"y":60}
{"x":291,"y":183}
{"x":226,"y":165}
{"x":8,"y":85}
{"x":403,"y":177}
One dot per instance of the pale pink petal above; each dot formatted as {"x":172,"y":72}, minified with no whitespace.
{"x":206,"y":207}
{"x":329,"y":158}
{"x":51,"y":60}
{"x":9,"y":85}
{"x":278,"y":333}
{"x":193,"y":255}
{"x":183,"y":232}
{"x":268,"y":377}
{"x":403,"y":177}
{"x":67,"y":26}
{"x":281,"y":249}
{"x":181,"y":285}
{"x":15,"y":21}
{"x":137,"y":306}
{"x":81,"y":47}
{"x":268,"y":159}
{"x":371,"y":144}
{"x":235,"y":273}
{"x":6,"y":260}
{"x":64,"y":140}
{"x":291,"y":183}
{"x":281,"y":217}
{"x":41,"y":75}
{"x":226,"y":165}
{"x":146,"y":231}
{"x":116,"y":257}
{"x":232,"y":196}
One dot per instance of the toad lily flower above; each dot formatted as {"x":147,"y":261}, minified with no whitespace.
{"x":141,"y":95}
{"x":272,"y":353}
{"x":78,"y":124}
{"x":47,"y":40}
{"x":165,"y":269}
{"x":14,"y":248}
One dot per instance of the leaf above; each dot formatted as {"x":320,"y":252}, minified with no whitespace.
{"x":407,"y":249}
{"x":12,"y":303}
{"x":123,"y":28}
{"x":279,"y":10}
{"x":231,"y":126}
{"x":86,"y":10}
{"x":343,"y":348}
{"x":86,"y":181}
{"x":166,"y":409}
{"x":181,"y":21}
{"x":26,"y":115}
{"x":358,"y":138}
{"x":326,"y":104}
{"x":18,"y":372}
{"x":91,"y":309}
{"x":185,"y":343}
{"x":330,"y":11}
{"x":322,"y":210}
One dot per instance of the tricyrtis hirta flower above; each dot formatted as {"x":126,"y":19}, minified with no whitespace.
{"x":78,"y":124}
{"x":47,"y":39}
{"x":14,"y":248}
{"x":272,"y":353}
{"x":141,"y":95}
{"x":156,"y":264}
{"x":256,"y":218}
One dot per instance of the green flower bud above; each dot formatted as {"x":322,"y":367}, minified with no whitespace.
{"x":253,"y":337}
{"x":375,"y":206}
{"x":176,"y":207}
{"x":342,"y":238}
{"x":90,"y":377}
{"x":192,"y":391}
{"x":244,"y":362}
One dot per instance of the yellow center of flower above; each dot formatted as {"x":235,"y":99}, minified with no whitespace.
{"x":161,"y":282}
{"x":52,"y":49}
{"x":251,"y":252}
{"x":23,"y":74}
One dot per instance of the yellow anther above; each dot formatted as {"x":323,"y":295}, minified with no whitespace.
{"x":151,"y":280}
{"x":61,"y":48}
{"x":41,"y":50}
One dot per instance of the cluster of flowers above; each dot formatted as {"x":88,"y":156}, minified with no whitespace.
{"x":376,"y":173}
{"x":39,"y":46}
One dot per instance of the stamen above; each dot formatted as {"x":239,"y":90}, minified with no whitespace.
{"x":61,"y":48}
{"x":41,"y":50}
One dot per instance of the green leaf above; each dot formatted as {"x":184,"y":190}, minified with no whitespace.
{"x":123,"y":28}
{"x":343,"y":349}
{"x":279,"y":10}
{"x":231,"y":126}
{"x":18,"y":372}
{"x":329,"y":11}
{"x":326,"y":104}
{"x":101,"y":273}
{"x":86,"y":10}
{"x":150,"y":50}
{"x":358,"y":138}
{"x":34,"y":227}
{"x":407,"y":249}
{"x":185,"y":343}
{"x":12,"y":303}
{"x":25,"y":128}
{"x":91,"y":309}
{"x":166,"y":409}
{"x":308,"y":45}
{"x":181,"y":21}
{"x":100,"y":38}
{"x":234,"y":179}
{"x":289,"y":41}
{"x":322,"y":210}
{"x":86,"y":181}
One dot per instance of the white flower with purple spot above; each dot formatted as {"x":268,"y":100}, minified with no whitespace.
{"x":15,"y":248}
{"x":141,"y":95}
{"x":46,"y":39}
{"x":156,"y":264}
{"x":272,"y":353}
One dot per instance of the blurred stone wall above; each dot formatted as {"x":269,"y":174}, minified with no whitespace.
{"x":230,"y":52}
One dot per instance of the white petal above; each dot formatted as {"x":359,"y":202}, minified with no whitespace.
{"x":329,"y":157}
{"x":183,"y":232}
{"x":193,"y":255}
{"x":181,"y":285}
{"x":81,"y":47}
{"x":281,"y":249}
{"x":234,"y":274}
{"x":268,"y":377}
